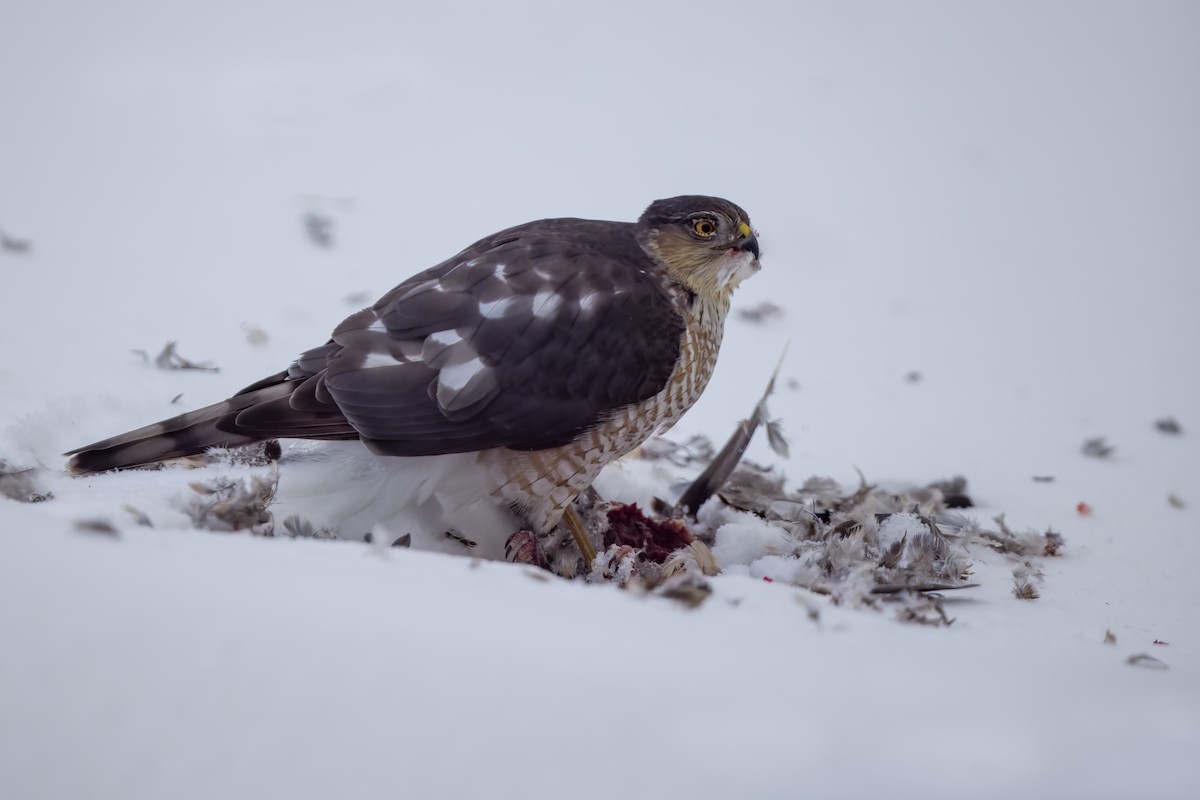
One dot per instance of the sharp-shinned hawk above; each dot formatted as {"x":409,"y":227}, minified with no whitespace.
{"x":546,"y":350}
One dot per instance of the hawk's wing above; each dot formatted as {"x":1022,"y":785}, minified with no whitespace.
{"x":523,"y":340}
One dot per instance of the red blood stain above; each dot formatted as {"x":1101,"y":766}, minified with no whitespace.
{"x":657,"y":539}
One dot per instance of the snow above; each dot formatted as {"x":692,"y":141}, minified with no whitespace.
{"x":999,"y":199}
{"x":745,"y":539}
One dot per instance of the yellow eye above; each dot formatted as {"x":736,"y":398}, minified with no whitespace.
{"x":704,"y":227}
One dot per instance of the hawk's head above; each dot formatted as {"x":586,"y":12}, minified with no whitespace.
{"x":704,"y":242}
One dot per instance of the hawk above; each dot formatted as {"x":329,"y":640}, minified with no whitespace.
{"x":535,"y":356}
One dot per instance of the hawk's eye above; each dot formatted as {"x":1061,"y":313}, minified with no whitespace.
{"x":704,"y":227}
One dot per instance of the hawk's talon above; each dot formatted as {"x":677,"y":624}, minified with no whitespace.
{"x":579,"y":534}
{"x":523,"y":547}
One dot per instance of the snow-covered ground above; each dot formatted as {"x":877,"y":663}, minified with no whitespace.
{"x":980,"y":221}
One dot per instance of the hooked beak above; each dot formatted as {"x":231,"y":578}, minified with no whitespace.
{"x":748,"y":243}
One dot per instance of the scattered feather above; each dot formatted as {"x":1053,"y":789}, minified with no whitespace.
{"x":1028,"y":571}
{"x":775,"y":438}
{"x":1097,"y":448}
{"x":1109,"y":636}
{"x":237,"y":505}
{"x":296,"y":527}
{"x":954,"y":492}
{"x":913,"y":377}
{"x":139,"y":516}
{"x":825,"y":492}
{"x":1027,"y":580}
{"x":359,"y":298}
{"x":1175,"y":501}
{"x":21,"y":484}
{"x":704,"y":558}
{"x":168,"y":358}
{"x":319,"y":229}
{"x":1168,"y":425}
{"x":790,"y":511}
{"x":862,"y":547}
{"x":717,"y":473}
{"x":928,"y":611}
{"x":891,"y":557}
{"x":1025,"y":543}
{"x":1043,"y":478}
{"x":761,"y":313}
{"x":752,"y":487}
{"x":1146,"y":660}
{"x":14,"y":245}
{"x":689,"y":590}
{"x":895,"y":588}
{"x":697,"y":449}
{"x":811,"y":608}
{"x":1025,"y":590}
{"x":97,"y":526}
{"x":254,"y":334}
{"x":694,"y":557}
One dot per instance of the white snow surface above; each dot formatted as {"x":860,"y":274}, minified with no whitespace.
{"x":999,"y":198}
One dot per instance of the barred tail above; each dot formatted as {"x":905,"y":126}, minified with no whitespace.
{"x":186,"y":435}
{"x":280,"y":406}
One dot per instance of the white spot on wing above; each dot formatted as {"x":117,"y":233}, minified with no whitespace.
{"x":495,"y":308}
{"x":436,"y":344}
{"x":444,"y":338}
{"x":589,"y":303}
{"x":378,"y":360}
{"x":546,"y":304}
{"x":410,"y":350}
{"x":455,"y":377}
{"x":462,"y":385}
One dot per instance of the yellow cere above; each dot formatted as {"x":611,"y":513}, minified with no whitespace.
{"x":744,"y":229}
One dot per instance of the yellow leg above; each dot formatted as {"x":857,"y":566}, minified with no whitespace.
{"x":575,"y":526}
